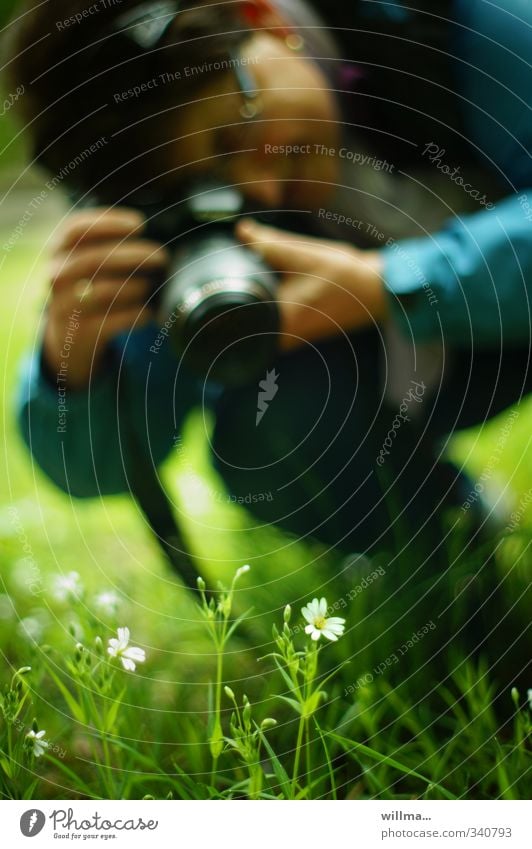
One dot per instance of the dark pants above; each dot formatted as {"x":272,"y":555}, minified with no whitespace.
{"x":311,"y":465}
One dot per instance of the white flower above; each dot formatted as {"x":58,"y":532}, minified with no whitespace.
{"x":107,"y":602}
{"x":68,"y":587}
{"x":315,"y":613}
{"x":30,"y":628}
{"x":129,"y":655}
{"x":38,"y":745}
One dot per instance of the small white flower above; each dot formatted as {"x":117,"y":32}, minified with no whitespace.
{"x":315,"y":614}
{"x":129,"y":655}
{"x":31,"y":629}
{"x":38,"y":744}
{"x":67,"y":587}
{"x":107,"y":602}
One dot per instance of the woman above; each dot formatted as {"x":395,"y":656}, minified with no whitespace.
{"x":397,"y":328}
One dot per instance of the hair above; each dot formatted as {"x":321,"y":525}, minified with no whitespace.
{"x":83,"y":80}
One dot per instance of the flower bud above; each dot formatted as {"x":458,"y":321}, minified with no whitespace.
{"x":242,"y":571}
{"x":229,"y":693}
{"x":216,"y":741}
{"x":268,"y":723}
{"x":287,"y":614}
{"x":514,"y":692}
{"x":201,"y":584}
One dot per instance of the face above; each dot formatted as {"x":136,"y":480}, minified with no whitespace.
{"x":296,"y":111}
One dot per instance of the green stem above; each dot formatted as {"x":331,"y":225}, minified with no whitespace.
{"x":297,"y":756}
{"x":217,"y":726}
{"x":105,"y":768}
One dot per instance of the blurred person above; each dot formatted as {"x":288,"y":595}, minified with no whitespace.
{"x":404,"y":137}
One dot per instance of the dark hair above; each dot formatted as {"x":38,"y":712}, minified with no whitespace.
{"x":75,"y":65}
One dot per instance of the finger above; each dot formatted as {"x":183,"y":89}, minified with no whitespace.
{"x":96,"y":297}
{"x":282,"y":251}
{"x":112,"y":294}
{"x":97,"y":224}
{"x":133,"y":257}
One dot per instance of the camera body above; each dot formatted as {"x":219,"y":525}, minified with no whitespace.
{"x":218,"y":300}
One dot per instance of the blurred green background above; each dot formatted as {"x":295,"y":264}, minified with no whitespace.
{"x":90,"y":535}
{"x":106,"y":541}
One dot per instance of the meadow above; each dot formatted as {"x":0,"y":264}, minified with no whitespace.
{"x":225,"y":695}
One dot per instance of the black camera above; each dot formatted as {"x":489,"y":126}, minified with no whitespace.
{"x":218,"y":303}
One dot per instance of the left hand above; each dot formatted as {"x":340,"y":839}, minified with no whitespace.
{"x":326,"y":287}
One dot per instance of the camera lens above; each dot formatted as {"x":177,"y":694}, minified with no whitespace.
{"x":231,"y":335}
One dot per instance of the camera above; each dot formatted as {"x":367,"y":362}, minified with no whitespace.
{"x":218,"y":300}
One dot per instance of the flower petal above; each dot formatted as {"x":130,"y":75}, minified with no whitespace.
{"x":123,"y":635}
{"x":307,"y":614}
{"x":135,"y":653}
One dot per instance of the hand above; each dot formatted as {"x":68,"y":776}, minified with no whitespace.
{"x":100,"y":268}
{"x":326,"y":287}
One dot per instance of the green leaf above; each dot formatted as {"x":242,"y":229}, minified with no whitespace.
{"x":351,"y":746}
{"x":237,"y":622}
{"x":30,"y":790}
{"x":288,"y":681}
{"x":77,"y":782}
{"x":327,"y":758}
{"x":75,"y":708}
{"x":292,"y":702}
{"x":6,"y":766}
{"x":279,"y":770}
{"x":216,"y":740}
{"x":112,"y":713}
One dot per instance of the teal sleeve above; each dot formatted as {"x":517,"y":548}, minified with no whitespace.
{"x":78,"y":438}
{"x":471,"y":282}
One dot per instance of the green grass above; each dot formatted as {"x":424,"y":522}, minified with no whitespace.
{"x":433,"y":724}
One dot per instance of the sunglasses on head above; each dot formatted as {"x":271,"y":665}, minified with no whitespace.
{"x":146,"y":27}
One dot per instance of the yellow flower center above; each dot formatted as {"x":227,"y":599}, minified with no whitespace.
{"x":319,"y":623}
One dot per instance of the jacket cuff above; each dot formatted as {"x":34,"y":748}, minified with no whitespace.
{"x":418,"y":279}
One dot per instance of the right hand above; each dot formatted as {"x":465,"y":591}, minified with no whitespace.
{"x":102,"y":268}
